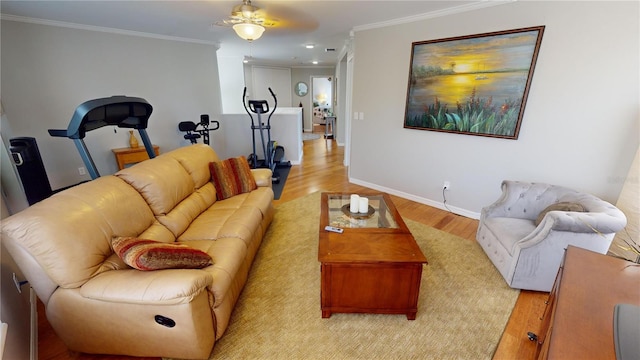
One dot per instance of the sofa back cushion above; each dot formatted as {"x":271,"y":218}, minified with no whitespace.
{"x":161,"y":181}
{"x":177,"y":187}
{"x":195,"y":159}
{"x":180,"y":217}
{"x":69,"y":234}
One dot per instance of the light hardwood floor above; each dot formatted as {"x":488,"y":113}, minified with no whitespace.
{"x":322,"y":170}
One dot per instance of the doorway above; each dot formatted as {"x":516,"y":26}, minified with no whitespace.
{"x":321,"y":101}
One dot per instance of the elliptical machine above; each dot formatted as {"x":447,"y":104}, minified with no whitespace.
{"x":192,"y":131}
{"x":273,"y":153}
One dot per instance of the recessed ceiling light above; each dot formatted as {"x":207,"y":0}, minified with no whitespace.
{"x":309,"y":46}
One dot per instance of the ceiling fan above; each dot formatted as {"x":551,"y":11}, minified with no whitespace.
{"x":248,"y":21}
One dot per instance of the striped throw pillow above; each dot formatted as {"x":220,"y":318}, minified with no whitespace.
{"x":232,"y":177}
{"x":144,"y":254}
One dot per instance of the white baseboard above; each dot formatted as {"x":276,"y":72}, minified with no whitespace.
{"x":418,"y":199}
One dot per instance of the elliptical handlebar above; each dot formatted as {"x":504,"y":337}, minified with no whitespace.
{"x":259,"y":106}
{"x":275,"y":106}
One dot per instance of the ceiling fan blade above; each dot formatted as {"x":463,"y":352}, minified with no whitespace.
{"x":282,"y":17}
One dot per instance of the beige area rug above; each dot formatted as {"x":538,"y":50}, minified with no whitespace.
{"x":464,"y":303}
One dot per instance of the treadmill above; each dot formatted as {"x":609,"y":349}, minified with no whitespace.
{"x":121,"y":111}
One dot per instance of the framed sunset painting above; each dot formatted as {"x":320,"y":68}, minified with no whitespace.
{"x":474,"y":85}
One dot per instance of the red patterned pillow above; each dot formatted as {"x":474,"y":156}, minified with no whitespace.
{"x":143,"y":254}
{"x":232,"y":177}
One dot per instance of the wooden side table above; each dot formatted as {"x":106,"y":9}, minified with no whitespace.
{"x":126,"y":156}
{"x":329,"y":122}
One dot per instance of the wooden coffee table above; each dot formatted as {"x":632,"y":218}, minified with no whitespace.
{"x":374,"y":266}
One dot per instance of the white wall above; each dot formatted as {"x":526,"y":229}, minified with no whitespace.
{"x":306,"y":74}
{"x":48,"y":71}
{"x":580,"y":127}
{"x":286,"y":130}
{"x":231,"y":72}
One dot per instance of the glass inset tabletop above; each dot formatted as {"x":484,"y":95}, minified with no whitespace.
{"x":340,"y":216}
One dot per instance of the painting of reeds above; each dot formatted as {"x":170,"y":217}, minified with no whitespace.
{"x":474,"y":85}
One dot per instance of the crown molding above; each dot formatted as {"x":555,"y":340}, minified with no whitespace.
{"x":68,"y":25}
{"x":434,"y":14}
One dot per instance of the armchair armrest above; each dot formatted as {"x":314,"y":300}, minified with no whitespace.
{"x":584,"y":222}
{"x":596,"y":224}
{"x":166,"y":287}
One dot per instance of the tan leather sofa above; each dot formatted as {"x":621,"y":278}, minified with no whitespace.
{"x":95,"y":302}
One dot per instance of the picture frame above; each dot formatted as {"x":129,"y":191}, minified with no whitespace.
{"x":474,"y":84}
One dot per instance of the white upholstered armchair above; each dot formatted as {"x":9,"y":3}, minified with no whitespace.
{"x":526,"y":243}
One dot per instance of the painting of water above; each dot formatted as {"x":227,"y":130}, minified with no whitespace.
{"x":475,"y":84}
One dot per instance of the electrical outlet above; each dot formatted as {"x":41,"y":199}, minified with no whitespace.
{"x":82,"y":170}
{"x":446,"y":185}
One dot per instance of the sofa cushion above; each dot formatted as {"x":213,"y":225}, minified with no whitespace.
{"x":561,"y":206}
{"x":162,"y":182}
{"x":192,"y":157}
{"x":180,"y":217}
{"x":232,"y":177}
{"x":144,"y":254}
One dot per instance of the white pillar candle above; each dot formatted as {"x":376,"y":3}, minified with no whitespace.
{"x":355,"y":203}
{"x":364,"y":205}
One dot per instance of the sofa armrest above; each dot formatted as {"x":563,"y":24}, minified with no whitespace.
{"x":166,"y":287}
{"x":262,"y":177}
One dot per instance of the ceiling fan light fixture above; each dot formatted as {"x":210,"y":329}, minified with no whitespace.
{"x":248,"y":31}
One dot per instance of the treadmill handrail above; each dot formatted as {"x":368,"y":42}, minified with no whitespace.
{"x":121,"y":111}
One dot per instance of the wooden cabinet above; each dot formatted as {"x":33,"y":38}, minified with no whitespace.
{"x":578,"y":319}
{"x":126,"y":156}
{"x":375,"y":268}
{"x":378,"y":287}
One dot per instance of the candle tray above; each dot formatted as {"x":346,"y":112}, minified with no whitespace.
{"x":358,"y":215}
